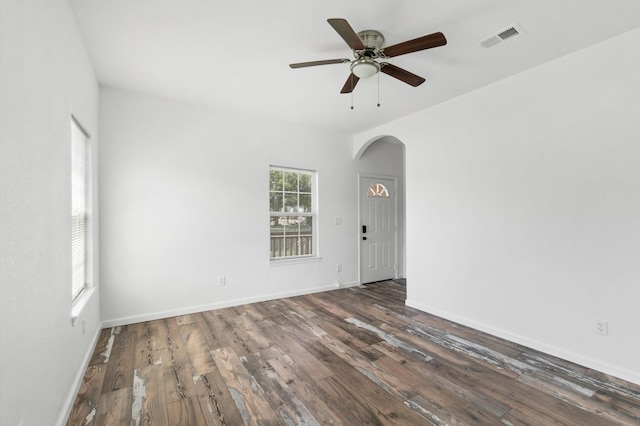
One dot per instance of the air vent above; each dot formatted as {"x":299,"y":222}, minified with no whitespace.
{"x":506,"y":34}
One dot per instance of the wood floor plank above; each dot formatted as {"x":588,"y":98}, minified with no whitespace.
{"x":387,"y":409}
{"x":298,"y":305}
{"x":350,"y":339}
{"x":114,"y":408}
{"x":434,"y":344}
{"x":149,"y":405}
{"x":452,"y":412}
{"x":102,"y":350}
{"x":222,"y":333}
{"x":429,"y":325}
{"x":119,"y":373}
{"x":215,"y":400}
{"x":247,"y":330}
{"x":384,"y":379}
{"x":350,"y":356}
{"x":529,"y":417}
{"x":245,"y":391}
{"x":212,"y":337}
{"x":328,"y":307}
{"x":362,"y":335}
{"x":141,"y":346}
{"x":197,"y":349}
{"x":186,"y":412}
{"x":306,"y":389}
{"x":302,"y":357}
{"x":184,"y":319}
{"x":307,"y":334}
{"x":437,"y":396}
{"x":158,"y":333}
{"x":86,"y":404}
{"x":178,"y":378}
{"x":515,"y":394}
{"x":353,"y":305}
{"x":627,"y":409}
{"x":280,"y":397}
{"x":578,"y":399}
{"x":259,"y":311}
{"x":353,"y":409}
{"x":461,"y":351}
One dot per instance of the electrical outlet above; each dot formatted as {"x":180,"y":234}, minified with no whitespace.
{"x":602,"y":328}
{"x":222,"y":281}
{"x":339,"y":267}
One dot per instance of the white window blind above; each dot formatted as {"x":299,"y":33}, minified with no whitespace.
{"x":79,"y":207}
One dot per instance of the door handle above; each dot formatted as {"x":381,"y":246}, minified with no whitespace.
{"x":364,"y":229}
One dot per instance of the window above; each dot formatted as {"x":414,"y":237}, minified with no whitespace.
{"x":79,"y":207}
{"x":291,"y":213}
{"x":378,"y":190}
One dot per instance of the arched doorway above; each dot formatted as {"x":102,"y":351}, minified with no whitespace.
{"x":381,"y":215}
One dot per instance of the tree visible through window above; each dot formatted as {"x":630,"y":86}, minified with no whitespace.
{"x":291,"y":213}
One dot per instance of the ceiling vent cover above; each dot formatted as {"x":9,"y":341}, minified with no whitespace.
{"x":506,"y":34}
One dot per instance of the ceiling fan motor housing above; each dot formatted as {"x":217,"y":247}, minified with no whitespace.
{"x":371,"y":39}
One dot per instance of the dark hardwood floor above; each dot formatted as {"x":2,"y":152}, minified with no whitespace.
{"x":350,"y":356}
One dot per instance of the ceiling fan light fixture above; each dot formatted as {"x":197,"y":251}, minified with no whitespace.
{"x":365,"y":67}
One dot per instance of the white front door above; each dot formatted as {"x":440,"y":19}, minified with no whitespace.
{"x":378,"y":229}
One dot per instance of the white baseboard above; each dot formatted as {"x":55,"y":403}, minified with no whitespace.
{"x":624,"y":374}
{"x":219,"y":305}
{"x":77,"y":381}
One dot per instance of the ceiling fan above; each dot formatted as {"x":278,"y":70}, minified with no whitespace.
{"x":367,"y":47}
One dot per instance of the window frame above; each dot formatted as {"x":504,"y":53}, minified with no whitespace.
{"x":313,"y":214}
{"x":80,"y":206}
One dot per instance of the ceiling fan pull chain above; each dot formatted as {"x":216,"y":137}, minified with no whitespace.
{"x":351,"y":92}
{"x":378,"y":90}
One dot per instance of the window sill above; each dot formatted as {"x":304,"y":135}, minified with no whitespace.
{"x":295,"y":261}
{"x":79,"y":304}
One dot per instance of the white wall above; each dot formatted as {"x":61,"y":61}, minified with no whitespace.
{"x":184,"y":200}
{"x":523,"y":206}
{"x":45,"y":77}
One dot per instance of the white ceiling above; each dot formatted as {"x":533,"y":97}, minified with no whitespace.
{"x":235,"y":54}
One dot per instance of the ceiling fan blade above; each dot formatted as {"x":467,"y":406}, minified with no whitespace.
{"x":343,"y":28}
{"x":314,"y":63}
{"x":420,"y":43}
{"x":350,"y":84}
{"x":402,"y":74}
